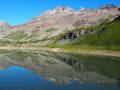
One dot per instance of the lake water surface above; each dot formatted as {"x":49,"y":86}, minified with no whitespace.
{"x":43,"y":70}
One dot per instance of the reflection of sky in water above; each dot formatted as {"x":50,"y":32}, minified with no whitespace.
{"x":18,"y":78}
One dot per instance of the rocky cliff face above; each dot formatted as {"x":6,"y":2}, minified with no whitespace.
{"x":59,"y":20}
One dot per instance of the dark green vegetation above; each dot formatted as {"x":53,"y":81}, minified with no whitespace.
{"x":107,"y":35}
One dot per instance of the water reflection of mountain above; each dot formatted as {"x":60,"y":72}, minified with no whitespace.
{"x":65,"y":68}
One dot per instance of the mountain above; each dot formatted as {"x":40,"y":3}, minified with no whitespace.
{"x":108,"y":6}
{"x":4,"y":25}
{"x":105,"y":35}
{"x":48,"y":27}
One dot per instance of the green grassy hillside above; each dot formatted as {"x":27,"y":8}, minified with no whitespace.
{"x":107,"y":36}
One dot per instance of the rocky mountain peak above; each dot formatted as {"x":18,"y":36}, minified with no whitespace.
{"x":108,"y":6}
{"x":4,"y":25}
{"x":67,"y":9}
{"x":63,"y":9}
{"x":58,"y":8}
{"x":59,"y":11}
{"x":82,"y":9}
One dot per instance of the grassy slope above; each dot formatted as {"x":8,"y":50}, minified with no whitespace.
{"x":16,"y":36}
{"x":107,"y":37}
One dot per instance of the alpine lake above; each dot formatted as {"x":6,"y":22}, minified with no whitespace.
{"x":45,"y":70}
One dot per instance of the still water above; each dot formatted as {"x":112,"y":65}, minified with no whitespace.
{"x":43,"y":70}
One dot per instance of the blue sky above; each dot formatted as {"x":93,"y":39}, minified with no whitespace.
{"x":20,"y":11}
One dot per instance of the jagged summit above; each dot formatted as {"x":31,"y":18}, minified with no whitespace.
{"x":60,"y":8}
{"x":4,"y":25}
{"x":108,"y":6}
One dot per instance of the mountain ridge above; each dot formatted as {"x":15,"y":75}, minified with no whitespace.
{"x":45,"y":28}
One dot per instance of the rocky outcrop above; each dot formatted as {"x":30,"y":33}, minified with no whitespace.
{"x":118,"y":18}
{"x":75,"y":34}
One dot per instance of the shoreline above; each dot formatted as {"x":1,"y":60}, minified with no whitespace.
{"x":89,"y":52}
{"x":85,"y":52}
